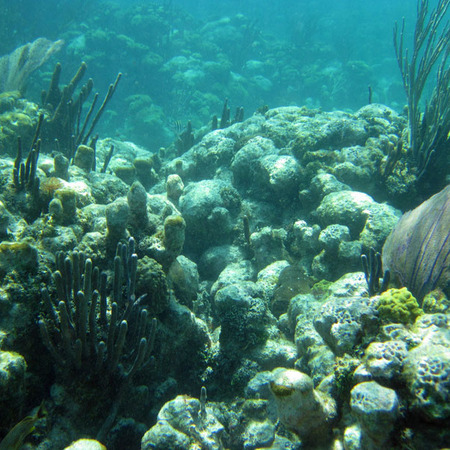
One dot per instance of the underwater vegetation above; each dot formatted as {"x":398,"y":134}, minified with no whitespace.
{"x":91,"y":347}
{"x":64,"y":126}
{"x":16,"y":67}
{"x":429,"y":130}
{"x":209,"y":293}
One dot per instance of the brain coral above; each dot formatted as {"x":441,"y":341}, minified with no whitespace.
{"x":398,"y":306}
{"x":417,"y":251}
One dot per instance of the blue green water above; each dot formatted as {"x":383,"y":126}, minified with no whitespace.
{"x":247,"y":241}
{"x":181,"y":59}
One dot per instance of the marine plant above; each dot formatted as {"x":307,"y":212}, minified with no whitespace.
{"x":24,"y":174}
{"x":98,"y":342}
{"x":185,"y":139}
{"x":373,"y":271}
{"x":429,"y":130}
{"x":65,"y":123}
{"x":16,"y":67}
{"x":225,"y":119}
{"x":25,"y":182}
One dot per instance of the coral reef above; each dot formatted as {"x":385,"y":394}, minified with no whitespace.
{"x":243,"y":278}
{"x":301,"y":408}
{"x":376,"y":409}
{"x":184,"y":422}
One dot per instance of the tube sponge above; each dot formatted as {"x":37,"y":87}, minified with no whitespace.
{"x":174,"y":228}
{"x":302,"y":409}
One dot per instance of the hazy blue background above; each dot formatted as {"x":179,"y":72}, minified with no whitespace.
{"x":182,"y":58}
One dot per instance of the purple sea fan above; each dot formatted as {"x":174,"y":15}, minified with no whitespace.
{"x":417,"y":251}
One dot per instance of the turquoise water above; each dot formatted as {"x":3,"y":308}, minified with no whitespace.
{"x":181,"y":59}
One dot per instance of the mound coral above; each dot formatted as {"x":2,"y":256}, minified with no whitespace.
{"x":398,"y":306}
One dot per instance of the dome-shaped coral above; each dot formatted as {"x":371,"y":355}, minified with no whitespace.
{"x":398,"y":306}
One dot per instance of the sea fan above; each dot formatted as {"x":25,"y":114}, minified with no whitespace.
{"x":17,"y":66}
{"x":417,"y":252}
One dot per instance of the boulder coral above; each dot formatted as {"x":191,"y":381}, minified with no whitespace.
{"x":398,"y":306}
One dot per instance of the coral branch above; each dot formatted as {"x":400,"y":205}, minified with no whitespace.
{"x":428,"y":131}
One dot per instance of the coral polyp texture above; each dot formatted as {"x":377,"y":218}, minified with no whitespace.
{"x":398,"y":305}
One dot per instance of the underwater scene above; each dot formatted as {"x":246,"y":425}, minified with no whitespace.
{"x":224,"y":225}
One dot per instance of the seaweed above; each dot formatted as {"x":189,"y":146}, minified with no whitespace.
{"x":429,"y":131}
{"x":65,"y":123}
{"x":97,"y":343}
